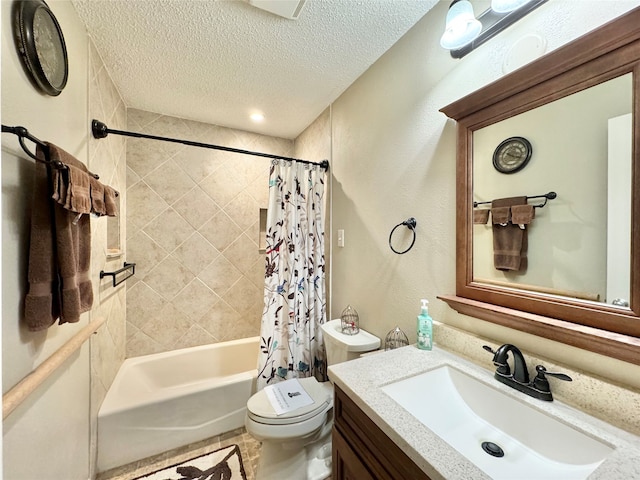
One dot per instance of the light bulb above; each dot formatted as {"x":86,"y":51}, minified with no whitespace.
{"x":461,"y":26}
{"x":504,"y":6}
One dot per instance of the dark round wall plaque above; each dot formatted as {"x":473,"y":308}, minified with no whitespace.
{"x":512,"y":155}
{"x":40,"y":45}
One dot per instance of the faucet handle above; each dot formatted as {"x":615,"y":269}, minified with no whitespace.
{"x":542,"y":384}
{"x":489,"y":349}
{"x":499,"y":361}
{"x":560,"y":376}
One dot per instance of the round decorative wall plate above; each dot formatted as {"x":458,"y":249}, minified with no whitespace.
{"x":40,"y":45}
{"x":512,"y":155}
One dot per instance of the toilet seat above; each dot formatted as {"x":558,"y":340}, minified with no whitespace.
{"x":259,"y":408}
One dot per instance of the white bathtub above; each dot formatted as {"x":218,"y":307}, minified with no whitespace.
{"x":163,"y":401}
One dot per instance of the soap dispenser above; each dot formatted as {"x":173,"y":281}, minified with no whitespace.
{"x":425,"y":327}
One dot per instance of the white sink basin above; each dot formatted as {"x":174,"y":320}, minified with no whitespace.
{"x":466,"y":412}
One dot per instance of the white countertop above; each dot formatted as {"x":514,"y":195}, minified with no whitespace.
{"x":361,"y":380}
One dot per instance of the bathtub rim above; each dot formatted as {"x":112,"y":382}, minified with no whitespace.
{"x":180,"y":351}
{"x":112,"y":405}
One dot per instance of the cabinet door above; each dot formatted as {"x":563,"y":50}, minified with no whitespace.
{"x":346,"y":463}
{"x":362,"y":451}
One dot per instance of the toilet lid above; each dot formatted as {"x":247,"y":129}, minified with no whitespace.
{"x":259,"y":407}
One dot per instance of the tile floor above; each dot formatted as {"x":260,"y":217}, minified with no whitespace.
{"x":249,"y":448}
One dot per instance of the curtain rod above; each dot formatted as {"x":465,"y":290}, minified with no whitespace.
{"x":100,"y":130}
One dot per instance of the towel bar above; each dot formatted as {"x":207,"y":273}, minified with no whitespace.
{"x":546,"y":196}
{"x":23,"y":133}
{"x":127,"y":266}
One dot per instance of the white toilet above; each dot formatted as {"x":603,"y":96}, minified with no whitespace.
{"x":297,"y":445}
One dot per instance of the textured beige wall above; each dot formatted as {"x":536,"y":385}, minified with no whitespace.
{"x":394,"y":157}
{"x":59,"y":408}
{"x":192,"y":230}
{"x":52,"y":434}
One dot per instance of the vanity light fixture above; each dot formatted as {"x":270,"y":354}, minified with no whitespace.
{"x":463,"y":32}
{"x":257,"y":117}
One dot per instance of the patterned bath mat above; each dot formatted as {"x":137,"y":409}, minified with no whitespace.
{"x":223,"y":464}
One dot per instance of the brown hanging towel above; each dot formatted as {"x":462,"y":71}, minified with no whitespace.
{"x":480,"y":216}
{"x":522,"y":215}
{"x":60,"y":249}
{"x":509,"y":240}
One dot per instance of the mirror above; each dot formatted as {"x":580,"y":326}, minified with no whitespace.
{"x":569,"y":237}
{"x":562,"y":293}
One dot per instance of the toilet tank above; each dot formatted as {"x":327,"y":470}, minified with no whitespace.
{"x":341,"y":347}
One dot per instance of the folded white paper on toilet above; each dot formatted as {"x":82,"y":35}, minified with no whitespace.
{"x":287,"y":396}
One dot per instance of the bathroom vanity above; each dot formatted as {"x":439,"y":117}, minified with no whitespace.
{"x":375,"y":437}
{"x":361,"y":450}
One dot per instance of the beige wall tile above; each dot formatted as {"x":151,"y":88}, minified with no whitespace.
{"x":220,"y":319}
{"x":195,"y":300}
{"x":220,"y":275}
{"x":243,"y":253}
{"x":145,"y":253}
{"x":199,"y":163}
{"x":168,"y":278}
{"x":169,"y":181}
{"x":196,"y":253}
{"x":221,"y":230}
{"x":243,"y":295}
{"x":143,"y":205}
{"x":196,"y":335}
{"x":200,"y":257}
{"x":169,"y":230}
{"x":222,"y":186}
{"x":143,"y":155}
{"x":244,"y":210}
{"x":196,"y":207}
{"x":141,"y":344}
{"x":144,"y":304}
{"x":167,"y":327}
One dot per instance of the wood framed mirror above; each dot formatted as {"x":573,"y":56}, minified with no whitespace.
{"x":607,"y":55}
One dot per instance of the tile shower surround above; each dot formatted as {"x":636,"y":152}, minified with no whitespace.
{"x":192,"y":230}
{"x":107,"y":158}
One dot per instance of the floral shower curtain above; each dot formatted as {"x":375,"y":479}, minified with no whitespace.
{"x":294,"y":294}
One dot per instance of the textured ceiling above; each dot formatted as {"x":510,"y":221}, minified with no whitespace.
{"x":217,"y":61}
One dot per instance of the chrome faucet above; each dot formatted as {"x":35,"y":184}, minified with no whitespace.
{"x":519,"y":379}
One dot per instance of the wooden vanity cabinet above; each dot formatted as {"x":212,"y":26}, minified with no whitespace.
{"x":361,"y":451}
